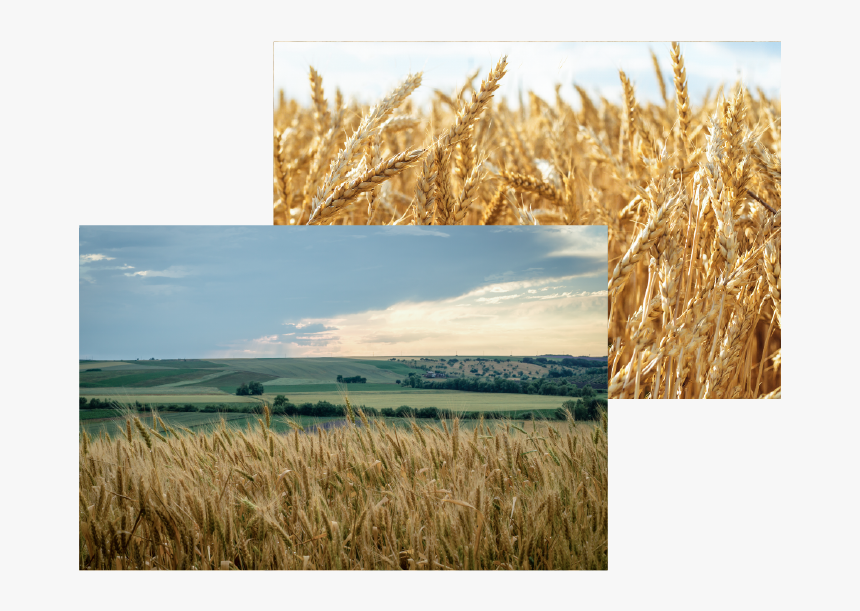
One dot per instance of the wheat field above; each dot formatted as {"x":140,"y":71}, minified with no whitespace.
{"x":362,"y":496}
{"x":691,"y":195}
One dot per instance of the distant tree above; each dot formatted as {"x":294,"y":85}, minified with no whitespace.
{"x":428,"y":412}
{"x":340,"y":378}
{"x":243,"y":390}
{"x":255,"y":388}
{"x":83,"y":402}
{"x":404,"y":411}
{"x":280,"y":401}
{"x":397,"y":382}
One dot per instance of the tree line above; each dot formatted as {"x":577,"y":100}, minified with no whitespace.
{"x":585,"y":409}
{"x":541,"y":386}
{"x":565,"y":362}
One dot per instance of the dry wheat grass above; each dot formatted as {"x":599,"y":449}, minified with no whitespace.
{"x":363,"y":496}
{"x":691,"y":196}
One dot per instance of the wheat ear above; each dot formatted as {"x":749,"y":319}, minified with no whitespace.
{"x":494,"y":210}
{"x":467,"y":116}
{"x":370,"y":125}
{"x":347,"y":193}
{"x":425,"y":197}
{"x":531,"y":184}
{"x":682,"y":100}
{"x":644,"y":239}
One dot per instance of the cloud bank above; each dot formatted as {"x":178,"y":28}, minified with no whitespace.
{"x":526,"y":317}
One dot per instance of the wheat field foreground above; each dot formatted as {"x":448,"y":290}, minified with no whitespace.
{"x":691,"y":196}
{"x":362,"y":496}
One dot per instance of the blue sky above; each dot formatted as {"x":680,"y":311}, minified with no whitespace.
{"x":367,"y":70}
{"x":255,"y":291}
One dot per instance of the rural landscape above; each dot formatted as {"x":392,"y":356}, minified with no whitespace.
{"x":688,"y":186}
{"x":280,"y":448}
{"x":198,"y":393}
{"x":358,"y":475}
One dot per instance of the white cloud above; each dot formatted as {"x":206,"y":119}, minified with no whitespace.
{"x":585,"y":244}
{"x":95,"y":257}
{"x":497,"y":299}
{"x":84,"y":269}
{"x":173,"y":271}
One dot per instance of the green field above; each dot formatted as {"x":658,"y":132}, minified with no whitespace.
{"x":203,"y":422}
{"x":301,"y":380}
{"x":197,"y":421}
{"x":231,"y":381}
{"x":452,"y":400}
{"x":228,"y":374}
{"x":333,"y":388}
{"x":93,"y":414}
{"x":323,"y":369}
{"x":138,"y":379}
{"x":180,"y":364}
{"x":121,"y":393}
{"x":168,"y":399}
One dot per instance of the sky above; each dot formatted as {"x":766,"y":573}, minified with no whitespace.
{"x":261,"y":291}
{"x":368,"y":70}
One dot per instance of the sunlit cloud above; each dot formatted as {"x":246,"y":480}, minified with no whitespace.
{"x":497,"y":299}
{"x":482,"y":321}
{"x":95,"y":257}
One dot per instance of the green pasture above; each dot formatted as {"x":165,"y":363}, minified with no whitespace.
{"x":333,"y":388}
{"x":231,"y":381}
{"x":206,"y":422}
{"x":179,"y":364}
{"x":93,"y":414}
{"x":173,"y":399}
{"x":197,"y":422}
{"x":450,"y":400}
{"x":111,"y":379}
{"x":323,"y":369}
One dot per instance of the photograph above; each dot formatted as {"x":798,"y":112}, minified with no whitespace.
{"x":676,"y":148}
{"x":418,"y":398}
{"x":487,"y":228}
